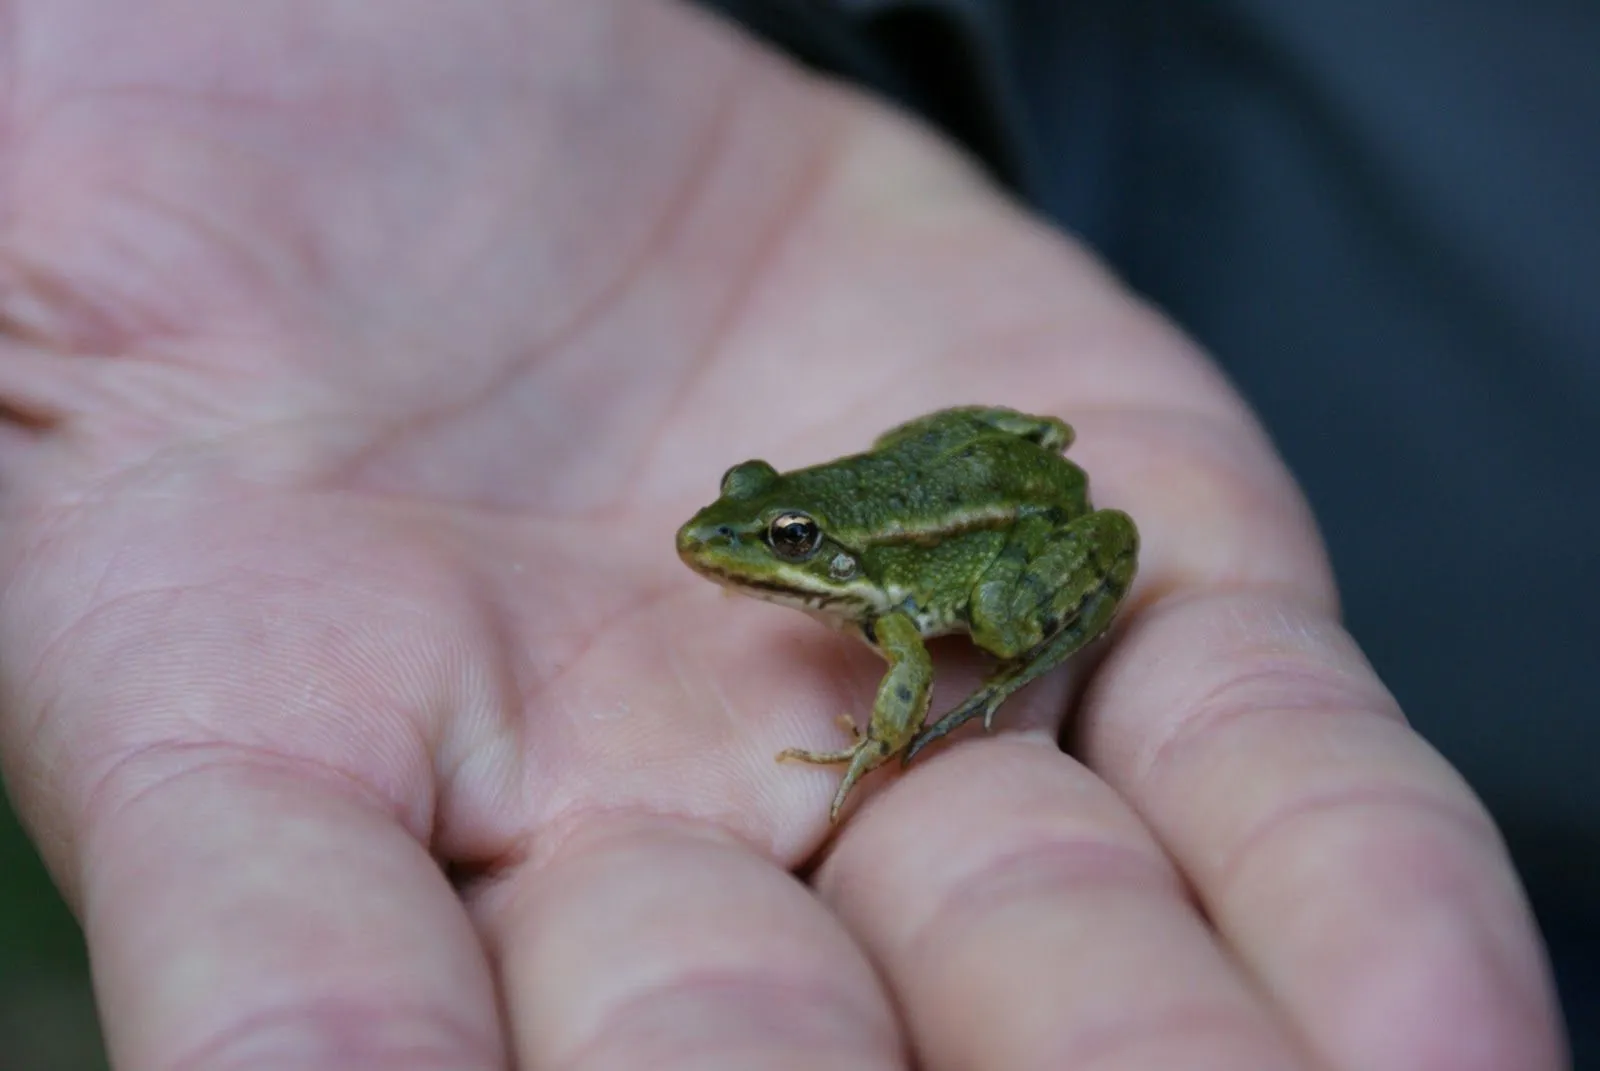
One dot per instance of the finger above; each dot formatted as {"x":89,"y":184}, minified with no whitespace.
{"x":1348,"y":865}
{"x":654,"y":943}
{"x":1031,"y":921}
{"x":243,"y":915}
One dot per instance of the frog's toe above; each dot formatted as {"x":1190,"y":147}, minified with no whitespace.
{"x":868,"y":757}
{"x":837,"y":808}
{"x":818,"y":758}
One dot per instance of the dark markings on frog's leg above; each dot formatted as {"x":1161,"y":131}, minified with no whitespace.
{"x":1037,"y":587}
{"x":903,"y":694}
{"x":1013,"y":552}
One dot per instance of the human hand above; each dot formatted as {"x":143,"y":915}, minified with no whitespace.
{"x":360,"y":361}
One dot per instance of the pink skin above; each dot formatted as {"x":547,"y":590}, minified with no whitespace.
{"x":359,"y":361}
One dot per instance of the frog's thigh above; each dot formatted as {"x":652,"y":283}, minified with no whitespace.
{"x":1041,"y":579}
{"x":1012,"y":598}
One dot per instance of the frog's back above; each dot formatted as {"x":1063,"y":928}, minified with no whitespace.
{"x":930,"y":474}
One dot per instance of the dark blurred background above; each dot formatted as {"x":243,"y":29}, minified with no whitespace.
{"x":47,"y":1020}
{"x":1384,"y":220}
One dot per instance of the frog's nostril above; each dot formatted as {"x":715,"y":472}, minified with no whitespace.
{"x":698,"y":538}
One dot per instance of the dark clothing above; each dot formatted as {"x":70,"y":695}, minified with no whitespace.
{"x":1384,"y":222}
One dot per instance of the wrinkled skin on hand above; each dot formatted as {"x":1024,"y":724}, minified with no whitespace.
{"x":358,"y":361}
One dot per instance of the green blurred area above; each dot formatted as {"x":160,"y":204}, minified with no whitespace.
{"x":47,"y":1016}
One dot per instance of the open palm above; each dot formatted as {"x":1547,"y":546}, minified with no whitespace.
{"x":359,"y":361}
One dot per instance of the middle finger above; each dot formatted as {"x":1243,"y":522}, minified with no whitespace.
{"x":662,"y":943}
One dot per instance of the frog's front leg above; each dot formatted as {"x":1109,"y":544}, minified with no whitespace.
{"x":897,"y":713}
{"x":1051,"y":591}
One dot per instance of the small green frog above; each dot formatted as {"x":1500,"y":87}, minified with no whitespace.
{"x":964,"y":520}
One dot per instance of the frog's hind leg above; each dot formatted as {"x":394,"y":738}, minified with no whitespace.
{"x":1043,"y":600}
{"x":1009,"y":677}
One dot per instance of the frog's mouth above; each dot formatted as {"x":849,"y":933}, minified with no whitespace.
{"x":833,"y":605}
{"x":768,"y":590}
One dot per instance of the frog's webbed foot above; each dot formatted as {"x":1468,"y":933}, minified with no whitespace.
{"x":864,"y":756}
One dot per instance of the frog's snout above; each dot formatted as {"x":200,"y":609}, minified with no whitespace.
{"x":698,"y":538}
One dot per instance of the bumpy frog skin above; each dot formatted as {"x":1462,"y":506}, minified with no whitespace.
{"x":964,"y":520}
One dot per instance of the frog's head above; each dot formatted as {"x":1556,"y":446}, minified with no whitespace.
{"x":762,"y":539}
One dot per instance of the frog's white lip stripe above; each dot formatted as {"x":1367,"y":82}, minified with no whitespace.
{"x":815,"y":599}
{"x":819,"y":602}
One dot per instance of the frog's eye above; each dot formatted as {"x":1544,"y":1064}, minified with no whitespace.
{"x":794,"y":536}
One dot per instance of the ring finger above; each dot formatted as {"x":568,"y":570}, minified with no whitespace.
{"x":1034,"y":922}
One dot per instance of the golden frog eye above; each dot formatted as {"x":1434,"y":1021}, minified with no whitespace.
{"x":794,"y":536}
